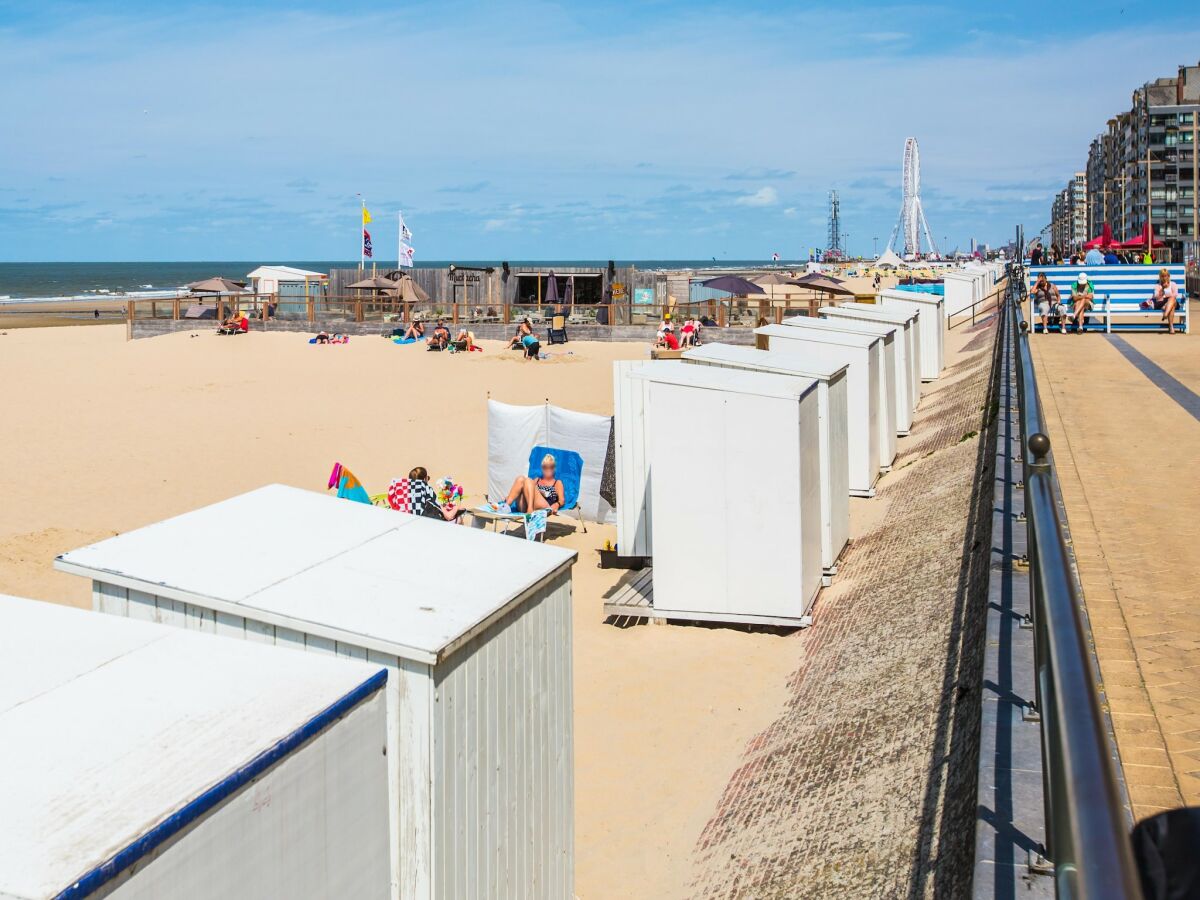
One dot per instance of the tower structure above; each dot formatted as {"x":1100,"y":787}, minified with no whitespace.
{"x":906,"y":236}
{"x":834,"y":244}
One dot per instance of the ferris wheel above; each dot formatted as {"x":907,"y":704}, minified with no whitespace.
{"x":911,"y":224}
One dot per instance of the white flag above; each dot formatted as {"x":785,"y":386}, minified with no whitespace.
{"x":406,"y":254}
{"x":405,"y":234}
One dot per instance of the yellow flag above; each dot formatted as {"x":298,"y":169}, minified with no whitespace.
{"x":366,"y":216}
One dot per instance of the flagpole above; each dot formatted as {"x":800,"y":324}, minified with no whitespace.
{"x":362,"y":217}
{"x":400,"y":239}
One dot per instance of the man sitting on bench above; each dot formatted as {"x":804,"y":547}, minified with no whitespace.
{"x":1046,"y":298}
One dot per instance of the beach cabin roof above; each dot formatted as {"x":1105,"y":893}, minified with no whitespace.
{"x":871,"y":311}
{"x":372,"y":577}
{"x":108,"y":727}
{"x":284,"y":273}
{"x":832,"y":335}
{"x":736,"y":381}
{"x":820,"y":362}
{"x":810,"y":324}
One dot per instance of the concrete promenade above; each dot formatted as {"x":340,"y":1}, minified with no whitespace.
{"x":865,"y":784}
{"x":1124,"y":419}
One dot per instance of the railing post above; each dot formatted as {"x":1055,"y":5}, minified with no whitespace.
{"x":358,"y":311}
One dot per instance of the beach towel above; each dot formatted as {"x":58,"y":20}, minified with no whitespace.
{"x":535,"y":524}
{"x":400,"y":342}
{"x":348,"y":487}
{"x":409,"y":496}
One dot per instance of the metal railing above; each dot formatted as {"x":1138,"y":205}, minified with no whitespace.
{"x":368,"y":308}
{"x":1087,"y":838}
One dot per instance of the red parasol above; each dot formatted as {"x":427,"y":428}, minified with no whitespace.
{"x":1105,"y":239}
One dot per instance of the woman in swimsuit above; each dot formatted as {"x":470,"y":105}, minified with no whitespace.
{"x":543,"y":492}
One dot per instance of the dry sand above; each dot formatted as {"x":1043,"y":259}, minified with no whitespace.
{"x":103,"y":435}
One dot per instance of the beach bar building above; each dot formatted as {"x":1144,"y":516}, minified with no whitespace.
{"x":885,"y":354}
{"x":931,"y":326}
{"x":474,"y":629}
{"x":730,"y":547}
{"x":829,"y":367}
{"x":908,"y":349}
{"x":141,"y":761}
{"x":862,"y":392}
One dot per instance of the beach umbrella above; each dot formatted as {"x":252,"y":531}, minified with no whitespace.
{"x":216,"y":285}
{"x":569,"y":293}
{"x":551,"y":296}
{"x":822,"y":283}
{"x":733,"y":284}
{"x":772,"y":278}
{"x":375,"y":283}
{"x":1103,"y":239}
{"x":408,"y":290}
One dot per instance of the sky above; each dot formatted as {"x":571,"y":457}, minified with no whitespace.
{"x":538,"y":130}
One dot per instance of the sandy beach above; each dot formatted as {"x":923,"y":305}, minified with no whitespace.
{"x":104,"y":435}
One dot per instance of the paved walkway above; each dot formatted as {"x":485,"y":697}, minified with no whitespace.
{"x":1124,"y":431}
{"x":865,"y":784}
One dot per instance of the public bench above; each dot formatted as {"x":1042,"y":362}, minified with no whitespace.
{"x":1119,"y":290}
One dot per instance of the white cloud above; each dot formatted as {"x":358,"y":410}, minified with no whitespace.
{"x":496,"y":224}
{"x":764,"y":196}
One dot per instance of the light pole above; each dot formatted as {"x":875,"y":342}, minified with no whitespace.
{"x":875,"y":247}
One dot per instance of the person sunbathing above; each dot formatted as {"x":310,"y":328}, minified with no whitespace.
{"x":415,"y":331}
{"x":463,"y":342}
{"x":523,"y":329}
{"x":235,"y":324}
{"x":544,"y":492}
{"x":440,"y":338}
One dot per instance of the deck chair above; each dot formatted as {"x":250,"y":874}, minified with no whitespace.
{"x":569,"y":466}
{"x":558,"y":331}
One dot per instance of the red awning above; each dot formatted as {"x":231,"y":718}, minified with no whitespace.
{"x":1139,"y":242}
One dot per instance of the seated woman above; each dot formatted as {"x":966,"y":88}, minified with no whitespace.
{"x":1044,"y":297}
{"x":524,"y":329}
{"x":1083,"y":297}
{"x":1166,"y":298}
{"x":688,"y":333}
{"x":424,"y":498}
{"x":532,"y":346}
{"x":235,"y":324}
{"x":544,"y":492}
{"x":440,"y":338}
{"x":415,"y":331}
{"x":462,"y":342}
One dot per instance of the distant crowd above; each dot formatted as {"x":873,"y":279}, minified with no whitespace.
{"x":1110,"y":256}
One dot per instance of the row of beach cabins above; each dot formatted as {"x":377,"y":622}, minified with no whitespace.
{"x":173,"y":742}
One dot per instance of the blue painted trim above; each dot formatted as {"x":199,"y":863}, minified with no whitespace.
{"x":1159,"y":377}
{"x":177,"y":821}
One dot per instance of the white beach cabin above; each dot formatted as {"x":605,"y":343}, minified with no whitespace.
{"x":736,"y":492}
{"x":829,"y":366}
{"x":908,"y":349}
{"x":138,"y":761}
{"x":885,"y":352}
{"x":931,"y":326}
{"x":862,"y":392}
{"x":473,"y":627}
{"x":963,"y":289}
{"x":632,"y":465}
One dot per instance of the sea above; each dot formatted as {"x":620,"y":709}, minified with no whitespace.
{"x":94,"y":280}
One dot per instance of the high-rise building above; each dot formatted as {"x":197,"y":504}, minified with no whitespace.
{"x":1069,"y":214}
{"x":1143,"y":167}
